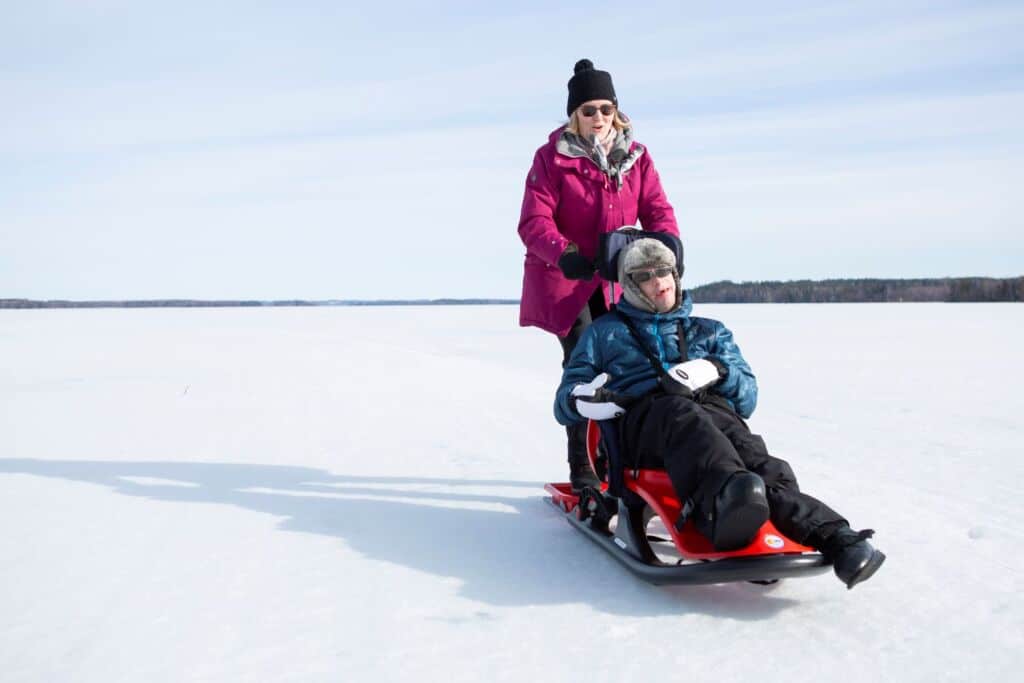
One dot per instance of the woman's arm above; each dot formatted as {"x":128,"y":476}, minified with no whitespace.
{"x":537,"y":226}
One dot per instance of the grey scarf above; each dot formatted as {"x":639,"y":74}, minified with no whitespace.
{"x":615,"y":164}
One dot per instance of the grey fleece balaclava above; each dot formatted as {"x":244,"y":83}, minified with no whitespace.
{"x":646,"y":254}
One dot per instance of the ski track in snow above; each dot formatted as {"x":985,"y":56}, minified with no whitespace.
{"x":355,"y":494}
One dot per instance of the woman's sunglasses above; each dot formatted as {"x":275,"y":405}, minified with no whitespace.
{"x":642,"y":276}
{"x":589,"y":110}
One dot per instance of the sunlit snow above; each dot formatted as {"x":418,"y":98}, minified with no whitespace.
{"x":355,"y":494}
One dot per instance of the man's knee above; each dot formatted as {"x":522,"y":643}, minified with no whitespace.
{"x":778,"y":474}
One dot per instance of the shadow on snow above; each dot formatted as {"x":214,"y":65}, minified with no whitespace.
{"x":522,"y":554}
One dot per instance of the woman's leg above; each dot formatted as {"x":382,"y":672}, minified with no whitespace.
{"x":580,"y":473}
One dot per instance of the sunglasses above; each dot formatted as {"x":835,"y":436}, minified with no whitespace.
{"x":642,"y":276}
{"x":589,"y":110}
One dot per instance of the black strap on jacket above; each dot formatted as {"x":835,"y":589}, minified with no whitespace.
{"x":669,"y":385}
{"x":616,"y":460}
{"x":658,"y":367}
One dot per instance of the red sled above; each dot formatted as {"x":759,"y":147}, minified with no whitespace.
{"x":635,"y":512}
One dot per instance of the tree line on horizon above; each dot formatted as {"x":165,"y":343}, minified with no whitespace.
{"x":233,"y":303}
{"x":963,"y":289}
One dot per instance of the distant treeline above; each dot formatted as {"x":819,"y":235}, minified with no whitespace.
{"x":793,"y":292}
{"x":198,"y":303}
{"x":851,"y":291}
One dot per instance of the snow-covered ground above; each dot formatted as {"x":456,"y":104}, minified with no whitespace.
{"x":355,"y":494}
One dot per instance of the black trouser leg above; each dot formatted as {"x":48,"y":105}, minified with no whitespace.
{"x":576,"y":435}
{"x":794,"y":513}
{"x":594,"y":309}
{"x":576,"y":443}
{"x":679,"y":434}
{"x":701,"y":446}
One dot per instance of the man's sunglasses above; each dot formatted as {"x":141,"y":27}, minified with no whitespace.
{"x":589,"y":110}
{"x":642,"y":276}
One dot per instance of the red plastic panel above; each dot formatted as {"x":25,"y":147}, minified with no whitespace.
{"x":655,"y":488}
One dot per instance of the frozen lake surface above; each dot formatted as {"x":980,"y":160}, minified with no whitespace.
{"x":355,"y":494}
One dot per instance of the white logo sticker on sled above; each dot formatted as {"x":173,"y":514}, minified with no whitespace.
{"x":773,"y":541}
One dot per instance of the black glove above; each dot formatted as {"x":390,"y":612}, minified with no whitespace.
{"x":574,"y":265}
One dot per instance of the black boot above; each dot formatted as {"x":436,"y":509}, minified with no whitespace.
{"x":581,"y":474}
{"x":740,"y":508}
{"x":853,"y":558}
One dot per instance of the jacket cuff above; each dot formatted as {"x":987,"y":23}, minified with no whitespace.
{"x":723,"y":369}
{"x":552,"y":249}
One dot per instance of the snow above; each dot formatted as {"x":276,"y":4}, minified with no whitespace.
{"x":324,"y":494}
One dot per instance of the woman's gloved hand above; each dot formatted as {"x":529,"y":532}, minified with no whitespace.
{"x":574,"y":265}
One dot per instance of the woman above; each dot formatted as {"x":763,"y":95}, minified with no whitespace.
{"x":590,"y":178}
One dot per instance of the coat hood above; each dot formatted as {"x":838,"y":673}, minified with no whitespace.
{"x":682,"y":311}
{"x":646,"y":254}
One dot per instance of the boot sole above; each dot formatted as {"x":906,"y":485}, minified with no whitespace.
{"x":735,"y":529}
{"x":868,"y":570}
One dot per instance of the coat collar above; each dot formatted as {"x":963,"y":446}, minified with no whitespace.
{"x":683,"y":312}
{"x":616,"y":164}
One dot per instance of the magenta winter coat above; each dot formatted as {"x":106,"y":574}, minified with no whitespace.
{"x":568,"y":199}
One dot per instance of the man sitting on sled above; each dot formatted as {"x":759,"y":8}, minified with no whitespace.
{"x":681,"y":405}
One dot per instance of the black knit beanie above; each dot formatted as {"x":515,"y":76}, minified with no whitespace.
{"x":588,"y":84}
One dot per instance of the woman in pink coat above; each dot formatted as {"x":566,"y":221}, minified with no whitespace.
{"x":590,"y":178}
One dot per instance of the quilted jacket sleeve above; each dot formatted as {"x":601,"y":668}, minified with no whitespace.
{"x":583,"y":366}
{"x":739,"y":385}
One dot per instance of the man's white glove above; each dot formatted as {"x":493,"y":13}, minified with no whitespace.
{"x":694,"y":375}
{"x":593,"y":401}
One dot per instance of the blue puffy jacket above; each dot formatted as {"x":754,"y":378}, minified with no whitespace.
{"x":608,"y":346}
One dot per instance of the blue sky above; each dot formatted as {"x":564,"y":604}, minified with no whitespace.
{"x":378,"y":150}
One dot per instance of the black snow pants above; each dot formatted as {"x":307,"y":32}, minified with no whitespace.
{"x":576,"y":434}
{"x":701,"y":444}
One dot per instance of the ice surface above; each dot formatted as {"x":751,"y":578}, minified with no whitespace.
{"x":354,"y":494}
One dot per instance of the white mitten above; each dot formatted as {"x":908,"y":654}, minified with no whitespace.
{"x":594,"y":402}
{"x":694,"y":374}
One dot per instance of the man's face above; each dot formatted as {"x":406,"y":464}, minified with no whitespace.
{"x":659,"y":286}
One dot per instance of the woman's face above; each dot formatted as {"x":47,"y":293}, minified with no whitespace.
{"x":598,"y":123}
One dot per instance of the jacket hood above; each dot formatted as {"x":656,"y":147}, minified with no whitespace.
{"x":645,"y":254}
{"x":556,"y":135}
